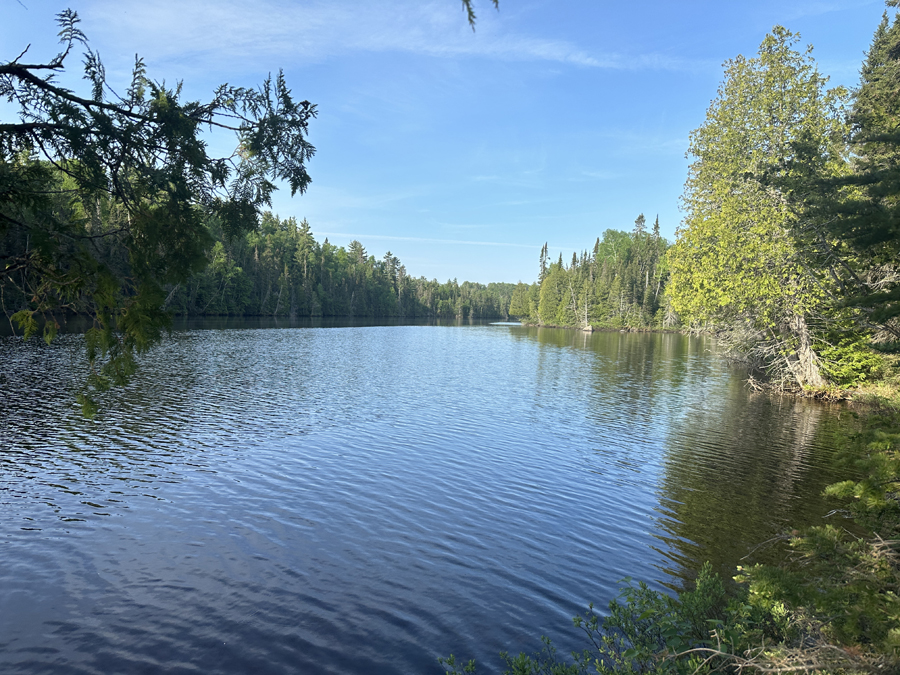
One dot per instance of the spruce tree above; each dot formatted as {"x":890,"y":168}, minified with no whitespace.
{"x":868,"y":215}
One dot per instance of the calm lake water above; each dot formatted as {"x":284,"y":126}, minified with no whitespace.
{"x":366,"y":499}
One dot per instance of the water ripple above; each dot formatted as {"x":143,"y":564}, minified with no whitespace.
{"x":366,"y":499}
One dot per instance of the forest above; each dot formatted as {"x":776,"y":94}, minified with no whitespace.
{"x":281,"y":270}
{"x":787,"y":252}
{"x":619,"y":283}
{"x":789,"y":246}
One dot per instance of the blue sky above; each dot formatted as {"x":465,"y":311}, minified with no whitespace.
{"x":462,"y":152}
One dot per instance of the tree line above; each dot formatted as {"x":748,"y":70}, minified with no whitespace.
{"x":619,"y":283}
{"x":280,"y":269}
{"x":790,"y":247}
{"x":111,"y":207}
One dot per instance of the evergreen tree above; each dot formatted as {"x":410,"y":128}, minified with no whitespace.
{"x":543,"y":263}
{"x":868,"y":211}
{"x":552,"y":295}
{"x":609,"y":287}
{"x":105,"y":199}
{"x":519,"y":304}
{"x":738,"y":263}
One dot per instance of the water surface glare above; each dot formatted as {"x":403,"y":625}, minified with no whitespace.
{"x":365,"y":499}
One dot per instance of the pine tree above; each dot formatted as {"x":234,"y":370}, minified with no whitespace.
{"x":543,"y":263}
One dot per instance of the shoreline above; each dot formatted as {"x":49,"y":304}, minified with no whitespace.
{"x":607,"y":329}
{"x":880,"y":395}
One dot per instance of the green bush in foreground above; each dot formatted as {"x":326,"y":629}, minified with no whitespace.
{"x":831,"y":606}
{"x":647,"y":631}
{"x":851,"y":582}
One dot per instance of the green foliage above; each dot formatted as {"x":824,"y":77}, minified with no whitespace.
{"x":620,"y":283}
{"x":835,"y":576}
{"x":874,"y":455}
{"x":281,"y":270}
{"x":521,"y":303}
{"x":545,"y":662}
{"x":849,"y":359}
{"x":791,"y":235}
{"x":26,"y":321}
{"x":105,"y":199}
{"x":864,"y":207}
{"x":738,"y":263}
{"x":450,"y":665}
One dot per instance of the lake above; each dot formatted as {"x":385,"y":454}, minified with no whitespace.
{"x":364,"y":499}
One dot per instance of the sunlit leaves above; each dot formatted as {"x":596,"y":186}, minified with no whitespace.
{"x":737,"y":260}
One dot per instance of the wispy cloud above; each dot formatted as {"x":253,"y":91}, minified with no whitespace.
{"x":819,"y":7}
{"x":336,"y":196}
{"x":314,"y":31}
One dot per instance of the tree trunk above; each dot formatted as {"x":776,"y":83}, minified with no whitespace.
{"x":278,"y":301}
{"x":804,"y":363}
